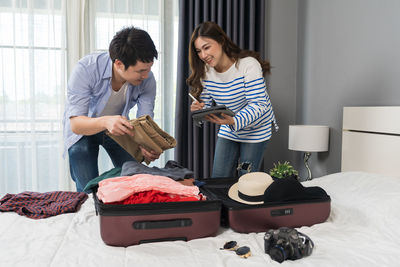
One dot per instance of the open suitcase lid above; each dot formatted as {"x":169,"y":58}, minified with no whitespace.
{"x":218,"y":188}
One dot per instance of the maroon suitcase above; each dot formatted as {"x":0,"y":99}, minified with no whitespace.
{"x":125,"y":225}
{"x":244,"y":218}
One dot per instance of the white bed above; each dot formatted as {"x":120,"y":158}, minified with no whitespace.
{"x":362,"y":230}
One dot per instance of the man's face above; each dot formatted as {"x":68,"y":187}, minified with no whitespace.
{"x":134,"y":74}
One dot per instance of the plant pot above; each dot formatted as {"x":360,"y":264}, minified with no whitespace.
{"x":293,"y":176}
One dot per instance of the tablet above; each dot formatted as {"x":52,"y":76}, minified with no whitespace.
{"x":198,"y":115}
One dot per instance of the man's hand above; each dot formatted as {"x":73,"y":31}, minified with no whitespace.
{"x":118,"y":125}
{"x":149,"y":155}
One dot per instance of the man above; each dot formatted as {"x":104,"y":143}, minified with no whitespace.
{"x":103,"y":87}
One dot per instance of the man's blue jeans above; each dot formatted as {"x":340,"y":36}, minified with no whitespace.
{"x":231,"y":156}
{"x":83,"y":157}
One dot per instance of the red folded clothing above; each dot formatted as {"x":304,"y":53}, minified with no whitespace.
{"x":155,"y":196}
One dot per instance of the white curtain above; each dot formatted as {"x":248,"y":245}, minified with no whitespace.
{"x":78,"y":33}
{"x":32,"y":87}
{"x":40,"y":42}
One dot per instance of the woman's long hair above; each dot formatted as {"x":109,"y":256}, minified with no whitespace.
{"x":211,"y":30}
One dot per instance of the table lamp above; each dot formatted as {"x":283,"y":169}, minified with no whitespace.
{"x":308,"y":138}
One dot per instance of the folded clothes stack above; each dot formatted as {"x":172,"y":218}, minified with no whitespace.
{"x":145,"y":188}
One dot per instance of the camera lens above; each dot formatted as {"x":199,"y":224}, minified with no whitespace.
{"x":278,"y":253}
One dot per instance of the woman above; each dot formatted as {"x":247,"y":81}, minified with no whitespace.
{"x":230,"y":76}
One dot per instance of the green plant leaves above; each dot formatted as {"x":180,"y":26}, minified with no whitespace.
{"x":282,"y":170}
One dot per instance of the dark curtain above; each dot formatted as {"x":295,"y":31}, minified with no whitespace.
{"x":243,"y":21}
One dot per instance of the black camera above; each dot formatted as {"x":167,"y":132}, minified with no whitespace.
{"x":287,"y":243}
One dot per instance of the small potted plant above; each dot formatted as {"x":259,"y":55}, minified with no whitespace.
{"x":283,"y":170}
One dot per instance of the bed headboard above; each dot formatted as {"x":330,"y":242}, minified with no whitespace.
{"x":371,"y":140}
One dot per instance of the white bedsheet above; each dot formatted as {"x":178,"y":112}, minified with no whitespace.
{"x":363,"y":230}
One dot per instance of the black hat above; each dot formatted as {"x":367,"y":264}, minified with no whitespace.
{"x":290,"y":189}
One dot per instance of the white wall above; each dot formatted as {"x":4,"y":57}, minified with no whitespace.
{"x":347,"y":54}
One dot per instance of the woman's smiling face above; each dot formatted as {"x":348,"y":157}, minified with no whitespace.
{"x":209,"y":51}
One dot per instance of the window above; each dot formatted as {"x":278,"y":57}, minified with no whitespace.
{"x":33,"y":76}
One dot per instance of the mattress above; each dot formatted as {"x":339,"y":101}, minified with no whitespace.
{"x":362,"y":230}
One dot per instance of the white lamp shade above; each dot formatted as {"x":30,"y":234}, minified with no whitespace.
{"x":308,"y":138}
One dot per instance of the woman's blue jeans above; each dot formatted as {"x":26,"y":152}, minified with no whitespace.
{"x":83,"y":157}
{"x":231,"y":156}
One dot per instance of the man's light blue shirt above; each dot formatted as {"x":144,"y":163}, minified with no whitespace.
{"x":89,"y":88}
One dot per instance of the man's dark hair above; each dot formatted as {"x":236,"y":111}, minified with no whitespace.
{"x":132,"y":44}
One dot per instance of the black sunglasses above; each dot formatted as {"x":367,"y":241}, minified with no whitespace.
{"x":243,"y":252}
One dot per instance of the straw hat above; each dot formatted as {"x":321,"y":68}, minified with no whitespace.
{"x":250,"y":188}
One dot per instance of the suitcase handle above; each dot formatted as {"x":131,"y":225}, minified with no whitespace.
{"x":163,"y":240}
{"x":282,"y":212}
{"x":143,"y":225}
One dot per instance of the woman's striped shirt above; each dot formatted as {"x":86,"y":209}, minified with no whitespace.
{"x":242,"y":89}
